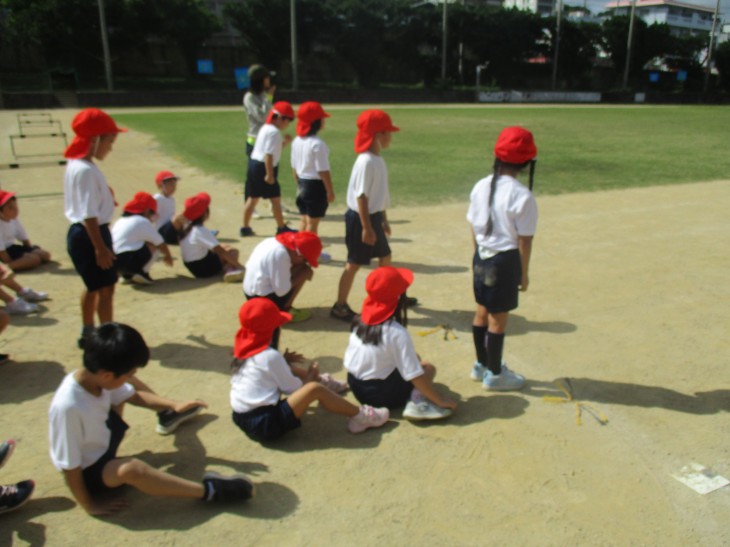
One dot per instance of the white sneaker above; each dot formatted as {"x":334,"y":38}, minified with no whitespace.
{"x":477,"y":371}
{"x":425,"y":410}
{"x":506,"y":381}
{"x":20,"y":307}
{"x":368,"y":417}
{"x":142,"y":278}
{"x":233,"y":276}
{"x":324,"y":258}
{"x":29,"y":295}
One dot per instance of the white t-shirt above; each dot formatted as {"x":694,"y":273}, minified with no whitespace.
{"x":197,"y":243}
{"x":77,"y":419}
{"x":395,"y":351}
{"x":132,"y":232}
{"x":268,"y":141}
{"x":514,"y":214}
{"x":86,"y":193}
{"x":369,"y":177}
{"x":11,"y":232}
{"x":268,"y":269}
{"x":165,"y":209}
{"x":261,"y":380}
{"x":309,"y":156}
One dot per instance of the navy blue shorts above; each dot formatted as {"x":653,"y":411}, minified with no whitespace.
{"x":280,"y":301}
{"x":497,"y":280}
{"x":169,"y":233}
{"x":267,"y":423}
{"x":393,"y":392}
{"x":16,"y":251}
{"x":83,"y":256}
{"x":133,"y":262}
{"x":256,"y":186}
{"x":312,"y":197}
{"x":93,"y":474}
{"x":357,"y":251}
{"x":208,"y":266}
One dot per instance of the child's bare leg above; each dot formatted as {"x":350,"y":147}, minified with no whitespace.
{"x":300,"y":400}
{"x":88,"y":307}
{"x":105,"y":305}
{"x":497,"y":322}
{"x":312,"y":224}
{"x":149,"y":480}
{"x":43,"y":254}
{"x":304,"y":223}
{"x":276,"y":210}
{"x":248,"y":208}
{"x":4,"y":320}
{"x":385,"y":260}
{"x":26,"y":262}
{"x":10,"y":283}
{"x":5,"y":297}
{"x":346,"y":281}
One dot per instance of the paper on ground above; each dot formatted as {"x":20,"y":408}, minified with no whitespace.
{"x":701,"y":479}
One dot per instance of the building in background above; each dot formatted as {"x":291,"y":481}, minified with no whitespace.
{"x":681,"y":18}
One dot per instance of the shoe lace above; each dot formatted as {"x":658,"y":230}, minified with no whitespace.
{"x":8,"y":490}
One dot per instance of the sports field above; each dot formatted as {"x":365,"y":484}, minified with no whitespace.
{"x":626,"y":311}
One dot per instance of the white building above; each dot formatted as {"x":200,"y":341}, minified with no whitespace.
{"x":543,"y":7}
{"x":682,"y":19}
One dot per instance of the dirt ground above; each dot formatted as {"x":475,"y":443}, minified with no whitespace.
{"x":628,"y":300}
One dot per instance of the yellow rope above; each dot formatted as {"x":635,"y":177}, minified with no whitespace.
{"x":448,"y":332}
{"x":579,"y":406}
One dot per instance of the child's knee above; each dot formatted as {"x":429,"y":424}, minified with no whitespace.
{"x":133,"y":470}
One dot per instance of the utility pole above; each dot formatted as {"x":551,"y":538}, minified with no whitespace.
{"x":294,"y":62}
{"x":558,"y":18}
{"x":105,"y":47}
{"x":629,"y":43}
{"x":708,"y":68}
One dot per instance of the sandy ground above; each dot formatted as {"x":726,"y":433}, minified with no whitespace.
{"x":628,"y":300}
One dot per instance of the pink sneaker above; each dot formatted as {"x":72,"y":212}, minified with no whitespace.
{"x":331,"y":383}
{"x":368,"y":417}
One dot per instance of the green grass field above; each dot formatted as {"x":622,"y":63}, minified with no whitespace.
{"x":441,"y":152}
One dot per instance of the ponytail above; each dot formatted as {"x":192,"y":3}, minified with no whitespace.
{"x":493,"y":190}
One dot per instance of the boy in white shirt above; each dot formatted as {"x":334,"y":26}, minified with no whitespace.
{"x":25,"y":256}
{"x":86,"y":428}
{"x":167,"y":184}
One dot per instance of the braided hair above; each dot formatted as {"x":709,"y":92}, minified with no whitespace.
{"x":498,"y":167}
{"x":373,"y":334}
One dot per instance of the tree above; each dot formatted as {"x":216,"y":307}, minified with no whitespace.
{"x":722,"y":62}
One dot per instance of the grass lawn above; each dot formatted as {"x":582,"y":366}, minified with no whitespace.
{"x":441,"y":152}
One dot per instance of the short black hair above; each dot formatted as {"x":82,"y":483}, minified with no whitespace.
{"x":116,"y":348}
{"x":314,"y":128}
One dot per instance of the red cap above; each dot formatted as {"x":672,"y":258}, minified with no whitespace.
{"x":196,"y":206}
{"x":308,"y":113}
{"x":306,"y":244}
{"x":259,"y":317}
{"x":384,"y":287}
{"x":87,"y":124}
{"x":515,"y":145}
{"x":162,"y":176}
{"x":370,"y":122}
{"x":5,"y":197}
{"x":282,"y":108}
{"x":140,"y":203}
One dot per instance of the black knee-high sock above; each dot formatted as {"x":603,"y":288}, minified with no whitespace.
{"x":495,"y":345}
{"x":480,"y":343}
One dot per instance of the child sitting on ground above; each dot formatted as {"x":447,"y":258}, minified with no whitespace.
{"x":25,"y":299}
{"x":382,"y":364}
{"x":167,"y":184}
{"x":25,"y":256}
{"x":278,"y":268}
{"x":86,"y":428}
{"x":136,"y":241}
{"x":201,"y":252}
{"x":261,"y":374}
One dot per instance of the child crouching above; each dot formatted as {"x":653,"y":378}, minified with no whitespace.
{"x":261,"y":374}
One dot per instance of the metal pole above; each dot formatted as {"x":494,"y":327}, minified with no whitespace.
{"x":294,"y":62}
{"x":708,"y":68}
{"x":105,"y":47}
{"x":629,"y":44}
{"x":559,"y":16}
{"x":444,"y":25}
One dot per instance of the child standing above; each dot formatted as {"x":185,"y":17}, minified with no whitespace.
{"x":257,"y":102}
{"x":263,"y":168}
{"x":25,"y":256}
{"x":89,"y":207}
{"x":261,"y":374}
{"x":86,"y":428}
{"x":167,"y":185}
{"x":311,"y":168}
{"x":136,"y":241}
{"x":503,"y":216}
{"x":368,"y":196}
{"x":383,"y":368}
{"x":201,"y":252}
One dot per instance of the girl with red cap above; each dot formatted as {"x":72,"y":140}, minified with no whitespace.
{"x":311,"y":168}
{"x":201,"y":252}
{"x":262,"y":178}
{"x":383,"y":368}
{"x":25,"y":256}
{"x":89,"y":207}
{"x":261,"y":375}
{"x":503,"y":216}
{"x":136,"y":240}
{"x":368,"y":196}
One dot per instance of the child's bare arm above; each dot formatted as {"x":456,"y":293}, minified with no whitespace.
{"x":326,"y":177}
{"x":147,"y":399}
{"x":104,"y":255}
{"x":386,"y":224}
{"x":524,"y":244}
{"x":165,"y":250}
{"x":425,"y":386}
{"x":269,"y":164}
{"x":5,"y":257}
{"x":363,"y":209}
{"x":75,"y":481}
{"x":227,"y":257}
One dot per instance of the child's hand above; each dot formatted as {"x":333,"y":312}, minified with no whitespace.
{"x":447,"y":403}
{"x":269,"y":178}
{"x":187,"y":405}
{"x":293,"y":357}
{"x":105,"y":258}
{"x":106,"y":507}
{"x":330,"y":196}
{"x":312,"y":372}
{"x":368,"y":236}
{"x":386,"y":228}
{"x":525,"y":282}
{"x":287,"y":139}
